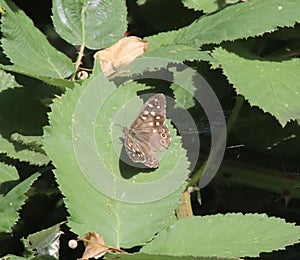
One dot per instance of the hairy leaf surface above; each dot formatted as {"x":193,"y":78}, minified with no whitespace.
{"x":28,"y":49}
{"x":269,"y":84}
{"x":94,"y":24}
{"x":245,"y":19}
{"x":103,"y":193}
{"x":230,"y":235}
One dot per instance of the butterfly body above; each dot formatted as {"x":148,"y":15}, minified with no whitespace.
{"x":148,"y":133}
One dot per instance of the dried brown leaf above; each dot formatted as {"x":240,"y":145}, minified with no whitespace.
{"x":121,"y":53}
{"x":95,"y":247}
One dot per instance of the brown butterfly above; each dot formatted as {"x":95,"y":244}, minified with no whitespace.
{"x":148,"y":132}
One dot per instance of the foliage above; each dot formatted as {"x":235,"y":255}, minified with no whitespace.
{"x":275,"y":98}
{"x":28,"y":49}
{"x":76,"y":23}
{"x":114,"y":210}
{"x":225,"y":235}
{"x":50,"y":119}
{"x":12,"y":202}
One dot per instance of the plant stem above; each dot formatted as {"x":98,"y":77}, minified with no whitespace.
{"x":81,"y":49}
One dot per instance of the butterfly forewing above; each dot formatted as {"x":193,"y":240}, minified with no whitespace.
{"x":148,"y":133}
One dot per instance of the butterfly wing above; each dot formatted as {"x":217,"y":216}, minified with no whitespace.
{"x":152,"y":127}
{"x":148,"y":133}
{"x":139,"y":151}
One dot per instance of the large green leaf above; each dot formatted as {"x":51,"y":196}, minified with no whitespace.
{"x":230,"y":235}
{"x":94,"y":24}
{"x":125,"y":205}
{"x":271,"y":85}
{"x":12,"y":202}
{"x":141,"y":256}
{"x":245,"y":19}
{"x":28,"y":49}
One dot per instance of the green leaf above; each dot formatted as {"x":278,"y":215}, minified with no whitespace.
{"x":8,"y":173}
{"x":125,"y":205}
{"x":40,"y":257}
{"x":207,"y":6}
{"x":8,"y":178}
{"x":163,"y":45}
{"x":46,"y":241}
{"x":184,"y":96}
{"x":142,"y":256}
{"x":62,"y":83}
{"x":7,"y":81}
{"x":204,"y":5}
{"x":95,"y":25}
{"x":230,"y":235}
{"x":161,"y":39}
{"x":23,"y":152}
{"x":28,"y":48}
{"x":27,"y":140}
{"x":245,"y":19}
{"x":271,"y":85}
{"x":12,"y":203}
{"x":179,"y":53}
{"x":33,"y":143}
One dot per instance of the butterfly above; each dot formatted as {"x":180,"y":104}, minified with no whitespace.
{"x":148,"y":133}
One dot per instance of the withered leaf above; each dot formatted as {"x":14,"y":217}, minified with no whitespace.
{"x":95,"y":247}
{"x":123,"y":52}
{"x":184,"y":209}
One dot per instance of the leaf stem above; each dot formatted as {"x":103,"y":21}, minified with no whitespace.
{"x":78,"y":61}
{"x":184,"y":209}
{"x":82,"y":46}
